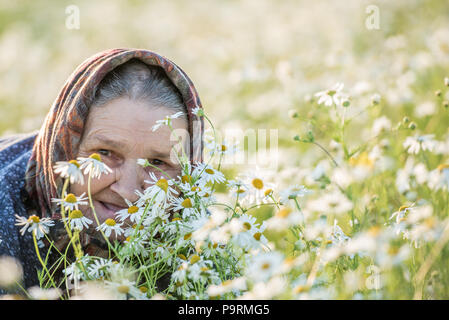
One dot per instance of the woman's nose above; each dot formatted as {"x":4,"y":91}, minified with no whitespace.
{"x":129,"y":177}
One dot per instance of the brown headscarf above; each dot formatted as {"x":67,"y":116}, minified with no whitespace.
{"x":60,"y":135}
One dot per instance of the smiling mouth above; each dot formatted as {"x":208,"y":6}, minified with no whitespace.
{"x":110,"y":208}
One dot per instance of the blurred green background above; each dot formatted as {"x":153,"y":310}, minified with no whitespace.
{"x":251,"y":60}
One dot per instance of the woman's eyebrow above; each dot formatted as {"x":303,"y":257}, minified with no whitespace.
{"x":106,"y":141}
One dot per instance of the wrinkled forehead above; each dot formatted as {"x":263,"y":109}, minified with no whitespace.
{"x":128,"y":126}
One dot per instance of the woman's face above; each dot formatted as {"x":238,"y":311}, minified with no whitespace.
{"x":121,"y":132}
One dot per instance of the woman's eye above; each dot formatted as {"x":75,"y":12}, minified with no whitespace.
{"x":104,"y":152}
{"x":156,"y":162}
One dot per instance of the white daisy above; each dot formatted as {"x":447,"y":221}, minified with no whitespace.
{"x":415,"y":144}
{"x":133,"y":213}
{"x":110,"y":225}
{"x":439,"y":178}
{"x":159,"y":191}
{"x":199,"y":112}
{"x":293,"y":192}
{"x":332,"y":96}
{"x":98,"y":268}
{"x":69,"y":169}
{"x":124,"y":288}
{"x":93,"y":165}
{"x":71,"y":202}
{"x":187,"y":205}
{"x":77,"y":220}
{"x":166,"y":121}
{"x":34,"y":224}
{"x":265,"y":265}
{"x":207,"y":174}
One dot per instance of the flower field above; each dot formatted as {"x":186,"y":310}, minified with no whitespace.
{"x":326,"y":172}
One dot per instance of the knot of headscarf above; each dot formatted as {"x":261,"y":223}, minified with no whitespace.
{"x":60,"y":135}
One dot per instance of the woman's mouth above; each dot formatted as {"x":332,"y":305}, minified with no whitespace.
{"x":108,"y":210}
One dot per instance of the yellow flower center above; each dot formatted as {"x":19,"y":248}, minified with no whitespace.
{"x":268,"y":192}
{"x":257,"y":183}
{"x":240,"y":190}
{"x":362,"y":160}
{"x":194,"y":259}
{"x":143,"y":289}
{"x":181,"y":256}
{"x":265,"y":266}
{"x":185,"y":178}
{"x":128,"y":239}
{"x":74,"y":162}
{"x":75,"y":214}
{"x":257,"y":236}
{"x":223,"y":148}
{"x":34,"y":219}
{"x":70,"y":198}
{"x":186,"y":203}
{"x":110,"y":222}
{"x":95,"y":156}
{"x":163,"y":184}
{"x":133,"y":209}
{"x":209,"y":171}
{"x":176,"y":219}
{"x":247,"y":225}
{"x":284,"y":212}
{"x":188,"y":236}
{"x":374,"y":231}
{"x":135,"y":226}
{"x":206,"y":195}
{"x":443,"y":166}
{"x":123,"y":289}
{"x":195,"y":188}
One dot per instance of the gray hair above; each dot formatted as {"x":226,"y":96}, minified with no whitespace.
{"x":140,"y":82}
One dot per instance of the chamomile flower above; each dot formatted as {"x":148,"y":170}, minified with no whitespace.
{"x":133,"y":213}
{"x":123,"y":288}
{"x":71,"y":202}
{"x":160,"y":191}
{"x":284,"y":218}
{"x":110,"y":225}
{"x":331,"y":96}
{"x":439,"y":178}
{"x":98,"y":268}
{"x":293,"y":192}
{"x":199,"y":112}
{"x":207,"y":173}
{"x":258,"y":186}
{"x":223,"y":148}
{"x":186,"y":205}
{"x":166,"y":121}
{"x":415,"y":144}
{"x":77,"y":220}
{"x":264,"y":266}
{"x":69,"y":169}
{"x":93,"y":165}
{"x":34,"y":224}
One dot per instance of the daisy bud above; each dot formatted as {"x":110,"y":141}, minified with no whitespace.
{"x":412,"y":126}
{"x":293,"y":113}
{"x":438,"y":93}
{"x":446,"y":104}
{"x":446,"y":81}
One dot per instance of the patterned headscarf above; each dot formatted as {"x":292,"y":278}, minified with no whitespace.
{"x":60,"y":135}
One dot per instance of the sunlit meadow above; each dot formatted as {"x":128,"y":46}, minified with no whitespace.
{"x":351,"y":204}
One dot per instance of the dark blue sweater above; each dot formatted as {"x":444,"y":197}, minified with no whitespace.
{"x":15,"y":152}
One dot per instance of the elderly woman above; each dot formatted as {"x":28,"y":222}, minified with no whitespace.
{"x":107,"y":107}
